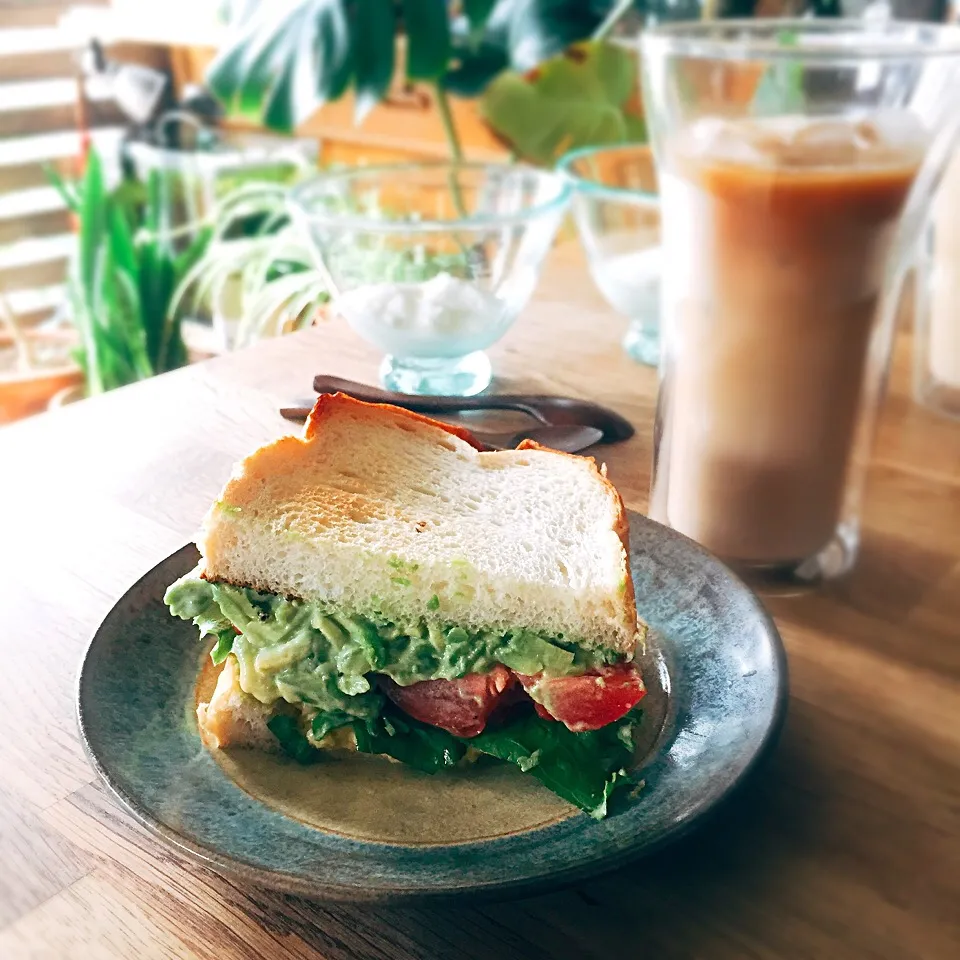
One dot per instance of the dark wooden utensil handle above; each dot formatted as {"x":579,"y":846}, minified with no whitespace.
{"x":363,"y":391}
{"x":555,"y":411}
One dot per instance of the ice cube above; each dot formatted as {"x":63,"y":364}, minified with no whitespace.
{"x":737,"y":141}
{"x":898,"y":130}
{"x":824,"y":143}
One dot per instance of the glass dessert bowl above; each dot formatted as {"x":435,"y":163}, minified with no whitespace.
{"x":432,"y":263}
{"x":618,"y":218}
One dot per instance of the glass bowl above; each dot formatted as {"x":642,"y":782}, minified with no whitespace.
{"x":618,"y":218}
{"x":432,"y":263}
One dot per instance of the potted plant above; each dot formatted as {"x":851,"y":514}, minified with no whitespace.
{"x":285,"y":60}
{"x":258,"y":276}
{"x":122,"y":279}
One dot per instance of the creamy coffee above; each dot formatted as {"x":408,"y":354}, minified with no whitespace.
{"x":776,"y":236}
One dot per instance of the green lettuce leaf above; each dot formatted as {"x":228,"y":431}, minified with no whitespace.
{"x":223,"y":646}
{"x":583,"y":768}
{"x":286,"y":729}
{"x":324,"y":723}
{"x":421,"y":746}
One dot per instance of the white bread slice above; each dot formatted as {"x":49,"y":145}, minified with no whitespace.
{"x":378,"y":509}
{"x":233,"y":718}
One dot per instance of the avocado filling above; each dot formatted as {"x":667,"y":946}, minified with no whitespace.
{"x":320,"y":658}
{"x":313,"y":653}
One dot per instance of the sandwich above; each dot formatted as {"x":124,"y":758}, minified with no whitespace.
{"x":381,"y":584}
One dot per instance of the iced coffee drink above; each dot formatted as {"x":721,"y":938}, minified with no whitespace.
{"x":776,"y":239}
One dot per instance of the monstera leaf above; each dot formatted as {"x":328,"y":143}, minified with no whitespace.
{"x":539,"y":29}
{"x":289,"y":57}
{"x":586,"y":96}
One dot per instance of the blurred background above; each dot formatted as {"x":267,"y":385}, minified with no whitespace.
{"x":147,"y":148}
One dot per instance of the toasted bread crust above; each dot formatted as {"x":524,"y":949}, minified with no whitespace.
{"x":232,"y":717}
{"x":327,"y":402}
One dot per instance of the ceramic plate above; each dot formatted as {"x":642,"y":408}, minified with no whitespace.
{"x":365,"y":828}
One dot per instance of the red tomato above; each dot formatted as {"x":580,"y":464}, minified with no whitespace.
{"x":461,"y":707}
{"x":589,"y":701}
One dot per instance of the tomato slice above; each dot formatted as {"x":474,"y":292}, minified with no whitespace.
{"x":589,"y":701}
{"x":461,"y":707}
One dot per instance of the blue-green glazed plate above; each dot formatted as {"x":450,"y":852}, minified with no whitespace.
{"x":363,"y":828}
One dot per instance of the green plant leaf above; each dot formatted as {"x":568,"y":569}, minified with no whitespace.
{"x":173,"y":351}
{"x":151,"y":259}
{"x":332,"y":49}
{"x":128,"y":312}
{"x":373,"y":53}
{"x":580,"y":98}
{"x":781,"y":88}
{"x":292,"y":98}
{"x":293,"y":63}
{"x":121,"y":241}
{"x":478,"y":13}
{"x":225,"y":75}
{"x":539,"y":29}
{"x":474,"y":65}
{"x":85,"y":273}
{"x":68,"y":191}
{"x":111,"y":319}
{"x":93,"y":218}
{"x":185,"y":260}
{"x":121,"y":289}
{"x":270,"y":51}
{"x":428,"y":38}
{"x":278,"y":107}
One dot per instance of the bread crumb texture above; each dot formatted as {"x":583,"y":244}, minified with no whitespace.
{"x":386,"y":513}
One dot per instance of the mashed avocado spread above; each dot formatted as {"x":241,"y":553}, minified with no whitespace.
{"x":313,"y":653}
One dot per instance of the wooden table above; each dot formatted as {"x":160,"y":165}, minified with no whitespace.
{"x":846,"y":847}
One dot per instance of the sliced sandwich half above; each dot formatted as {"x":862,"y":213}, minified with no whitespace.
{"x":380,"y":584}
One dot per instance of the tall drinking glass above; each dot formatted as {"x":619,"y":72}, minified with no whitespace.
{"x":936,"y":330}
{"x":796,"y":161}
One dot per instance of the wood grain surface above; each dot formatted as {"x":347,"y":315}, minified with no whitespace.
{"x":846,"y":846}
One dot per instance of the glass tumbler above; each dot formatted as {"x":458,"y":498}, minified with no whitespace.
{"x":618,"y":218}
{"x":936,"y":341}
{"x":796,"y":160}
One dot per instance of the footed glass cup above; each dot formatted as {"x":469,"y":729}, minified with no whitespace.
{"x":432,"y":263}
{"x":618,"y":218}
